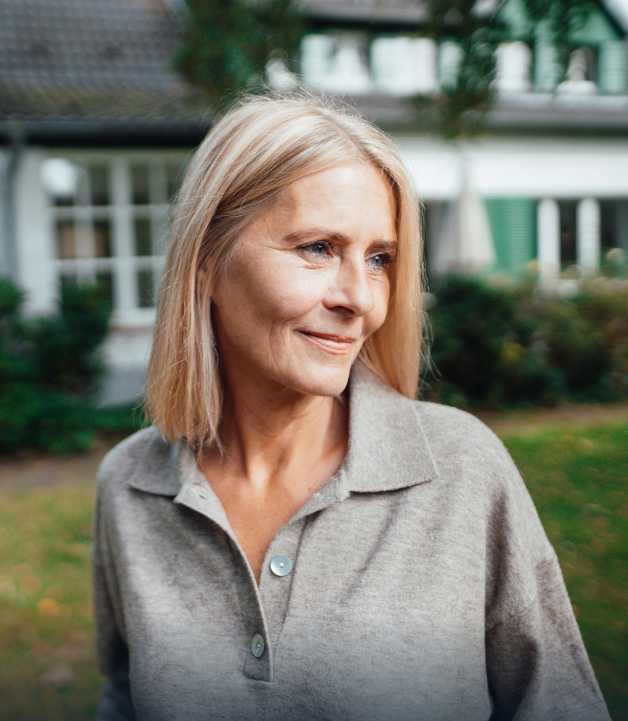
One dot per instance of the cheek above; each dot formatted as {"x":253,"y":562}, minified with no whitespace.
{"x":256,"y":298}
{"x":381,"y":306}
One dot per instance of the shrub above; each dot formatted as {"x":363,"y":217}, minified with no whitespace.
{"x":49,"y":370}
{"x":575,"y":347}
{"x":508,"y":344}
{"x":604,"y":303}
{"x":471,"y":322}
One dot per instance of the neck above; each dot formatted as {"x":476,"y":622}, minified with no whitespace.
{"x":273,"y":438}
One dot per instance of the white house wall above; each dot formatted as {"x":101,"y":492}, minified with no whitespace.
{"x":531,"y":167}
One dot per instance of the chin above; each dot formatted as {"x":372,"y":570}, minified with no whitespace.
{"x":323,"y":381}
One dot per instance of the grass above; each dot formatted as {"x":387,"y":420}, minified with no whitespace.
{"x":579,"y":482}
{"x":47,"y":668}
{"x":578,"y":479}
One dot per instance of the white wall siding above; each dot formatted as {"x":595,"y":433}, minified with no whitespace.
{"x":518,"y":166}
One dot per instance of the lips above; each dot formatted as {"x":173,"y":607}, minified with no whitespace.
{"x":330,"y":342}
{"x":330,"y":336}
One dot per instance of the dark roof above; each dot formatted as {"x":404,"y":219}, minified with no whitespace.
{"x":99,"y":71}
{"x":532,"y":113}
{"x":70,"y":64}
{"x":371,"y":11}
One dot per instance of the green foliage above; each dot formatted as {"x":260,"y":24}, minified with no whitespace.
{"x":49,"y":370}
{"x":471,"y":322}
{"x":564,"y":18}
{"x":462,"y":107}
{"x":227,"y":43}
{"x":514,"y":346}
{"x":603,"y":302}
{"x":120,"y":420}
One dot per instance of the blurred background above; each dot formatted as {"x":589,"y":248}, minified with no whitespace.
{"x":512,"y":118}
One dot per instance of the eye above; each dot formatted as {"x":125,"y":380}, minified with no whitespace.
{"x":382,"y":260}
{"x":319,"y":247}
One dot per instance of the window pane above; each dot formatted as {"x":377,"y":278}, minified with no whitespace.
{"x":66,"y":239}
{"x":141,"y":228}
{"x":104,"y":280}
{"x":613,"y":233}
{"x":102,"y":238}
{"x":568,"y":248}
{"x":140,"y":185}
{"x":162,"y":231}
{"x":145,"y":289}
{"x":99,"y":184}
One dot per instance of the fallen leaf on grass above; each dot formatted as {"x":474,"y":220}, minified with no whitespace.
{"x":48,"y":607}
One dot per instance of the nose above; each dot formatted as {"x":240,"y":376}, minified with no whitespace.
{"x":351,"y":288}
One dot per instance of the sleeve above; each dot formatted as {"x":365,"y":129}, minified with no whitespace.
{"x":536,"y":662}
{"x":115,"y":702}
{"x":537,"y":665}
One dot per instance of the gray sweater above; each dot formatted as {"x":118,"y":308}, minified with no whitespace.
{"x":418,"y":583}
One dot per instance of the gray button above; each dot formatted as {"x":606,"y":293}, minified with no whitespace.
{"x":258,"y":645}
{"x":280,"y":565}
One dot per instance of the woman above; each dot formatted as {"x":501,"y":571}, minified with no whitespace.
{"x":295,"y":537}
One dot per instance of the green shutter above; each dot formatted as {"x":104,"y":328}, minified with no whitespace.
{"x":513,"y":226}
{"x":612,"y":72}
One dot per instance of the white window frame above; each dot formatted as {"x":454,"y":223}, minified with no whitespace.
{"x":121,"y":213}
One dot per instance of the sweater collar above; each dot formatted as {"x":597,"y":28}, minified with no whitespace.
{"x":387,"y":450}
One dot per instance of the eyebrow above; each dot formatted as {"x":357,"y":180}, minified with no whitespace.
{"x":337,"y":237}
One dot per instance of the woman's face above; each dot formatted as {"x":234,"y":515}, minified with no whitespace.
{"x":319,"y":261}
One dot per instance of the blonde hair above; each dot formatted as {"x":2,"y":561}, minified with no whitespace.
{"x":262,"y":145}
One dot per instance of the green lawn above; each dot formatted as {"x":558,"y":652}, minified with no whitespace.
{"x":579,"y":481}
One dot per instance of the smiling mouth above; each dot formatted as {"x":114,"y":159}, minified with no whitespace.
{"x":331,"y":345}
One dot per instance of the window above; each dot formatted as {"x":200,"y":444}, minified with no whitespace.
{"x":347,"y":61}
{"x":613,"y":225}
{"x":109,"y":223}
{"x":568,"y":229}
{"x":337,"y":62}
{"x":404,"y":65}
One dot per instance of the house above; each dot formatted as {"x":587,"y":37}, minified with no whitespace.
{"x":96,"y":129}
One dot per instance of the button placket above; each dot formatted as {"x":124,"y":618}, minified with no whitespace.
{"x":197,"y":494}
{"x":281,"y":560}
{"x":280,"y":565}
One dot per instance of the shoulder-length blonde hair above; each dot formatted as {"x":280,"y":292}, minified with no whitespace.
{"x":261,"y":146}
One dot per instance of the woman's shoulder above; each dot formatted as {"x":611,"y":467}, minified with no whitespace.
{"x":472,"y":457}
{"x":467,"y":451}
{"x":141,"y":452}
{"x":456,"y":433}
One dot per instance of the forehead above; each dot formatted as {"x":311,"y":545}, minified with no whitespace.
{"x":351,"y":191}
